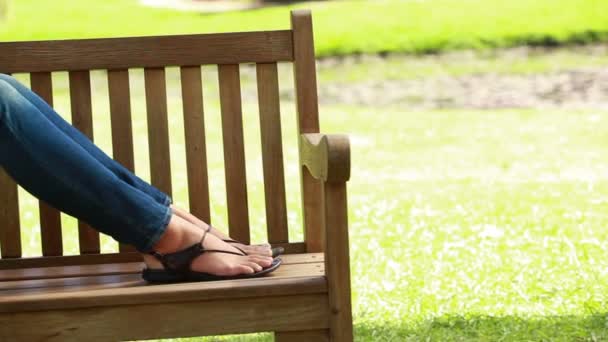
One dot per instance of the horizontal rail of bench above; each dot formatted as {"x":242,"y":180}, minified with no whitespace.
{"x":138,"y":52}
{"x":92,"y":259}
{"x":63,"y":272}
{"x":194,"y":317}
{"x":294,"y":282}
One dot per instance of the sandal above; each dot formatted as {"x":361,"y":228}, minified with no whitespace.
{"x":177,"y":266}
{"x":276,"y":251}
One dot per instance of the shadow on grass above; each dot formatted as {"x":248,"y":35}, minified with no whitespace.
{"x":486,"y":328}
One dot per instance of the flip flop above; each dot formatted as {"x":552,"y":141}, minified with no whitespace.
{"x":276,"y":251}
{"x":177,"y":266}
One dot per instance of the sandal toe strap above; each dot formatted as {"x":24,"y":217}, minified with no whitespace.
{"x":179,"y":262}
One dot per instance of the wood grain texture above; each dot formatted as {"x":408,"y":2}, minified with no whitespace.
{"x":50,"y":218}
{"x":122,"y":128}
{"x":307,"y":109}
{"x":321,"y":335}
{"x":18,"y":296}
{"x":135,"y":322}
{"x":272,"y":152}
{"x":68,"y":260}
{"x":234,"y":152}
{"x":327,"y":156}
{"x":160,"y":51}
{"x":337,"y":261}
{"x":82,"y":118}
{"x":158,"y":128}
{"x":10,"y":232}
{"x":117,"y":265}
{"x":196,"y":150}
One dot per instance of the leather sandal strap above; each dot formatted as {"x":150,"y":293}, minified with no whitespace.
{"x":180,"y":261}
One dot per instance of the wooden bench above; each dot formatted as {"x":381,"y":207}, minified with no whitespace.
{"x":96,"y":296}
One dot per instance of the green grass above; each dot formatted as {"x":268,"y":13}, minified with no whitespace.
{"x":341,"y":27}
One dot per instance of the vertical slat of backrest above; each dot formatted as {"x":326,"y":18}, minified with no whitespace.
{"x":122,"y":131}
{"x":50,"y":218}
{"x":234,"y":152}
{"x":196,"y":151}
{"x":158,"y":131}
{"x":308,"y":122}
{"x":10,"y":227}
{"x":272,"y":152}
{"x":82,"y":118}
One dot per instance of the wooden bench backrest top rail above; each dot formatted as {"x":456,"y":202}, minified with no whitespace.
{"x":189,"y":52}
{"x":146,"y":52}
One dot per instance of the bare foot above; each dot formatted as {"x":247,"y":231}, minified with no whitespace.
{"x":261,"y":249}
{"x":181,"y":234}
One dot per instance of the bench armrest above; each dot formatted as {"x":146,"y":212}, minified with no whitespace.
{"x":327,"y":156}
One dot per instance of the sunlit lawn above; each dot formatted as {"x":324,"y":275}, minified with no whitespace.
{"x":342,"y":27}
{"x":465,"y":225}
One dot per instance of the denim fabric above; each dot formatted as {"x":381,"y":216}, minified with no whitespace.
{"x":58,"y":164}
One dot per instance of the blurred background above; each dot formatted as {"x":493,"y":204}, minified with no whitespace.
{"x":479,"y":129}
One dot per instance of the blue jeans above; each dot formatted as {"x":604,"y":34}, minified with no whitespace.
{"x":58,"y":164}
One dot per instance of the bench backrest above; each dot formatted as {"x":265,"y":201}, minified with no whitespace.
{"x":153,"y":54}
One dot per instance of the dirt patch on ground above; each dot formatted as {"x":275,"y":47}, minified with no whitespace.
{"x":573,"y":85}
{"x":573,"y":88}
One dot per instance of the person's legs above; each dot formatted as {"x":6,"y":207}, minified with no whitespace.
{"x":119,"y":170}
{"x":54,"y":168}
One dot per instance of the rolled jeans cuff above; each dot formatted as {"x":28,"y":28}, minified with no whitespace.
{"x":148,"y":245}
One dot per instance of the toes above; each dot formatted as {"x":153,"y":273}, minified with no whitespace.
{"x":246,"y":268}
{"x":254,"y":266}
{"x":261,"y":260}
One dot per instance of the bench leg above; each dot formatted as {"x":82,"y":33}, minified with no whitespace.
{"x":302,"y":336}
{"x":337,"y":262}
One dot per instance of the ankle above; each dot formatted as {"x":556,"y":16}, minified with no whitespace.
{"x":177,"y":236}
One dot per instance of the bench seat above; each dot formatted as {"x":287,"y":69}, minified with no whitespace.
{"x":55,"y":300}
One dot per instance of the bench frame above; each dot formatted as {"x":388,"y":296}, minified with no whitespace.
{"x":315,"y":307}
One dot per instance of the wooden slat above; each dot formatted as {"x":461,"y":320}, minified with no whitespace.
{"x":70,"y":271}
{"x":234,"y":152}
{"x":308,"y":122}
{"x":10,"y":235}
{"x":20,"y":281}
{"x":122,"y":131}
{"x":160,"y":51}
{"x":272,"y":152}
{"x":82,"y":118}
{"x":69,"y":260}
{"x":55,"y":285}
{"x":158,"y":128}
{"x":50,"y":218}
{"x":242,"y":288}
{"x":337,"y":261}
{"x":139,"y":322}
{"x":196,"y":152}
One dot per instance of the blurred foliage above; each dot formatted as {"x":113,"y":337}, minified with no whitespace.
{"x":3,"y":9}
{"x":341,"y":27}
